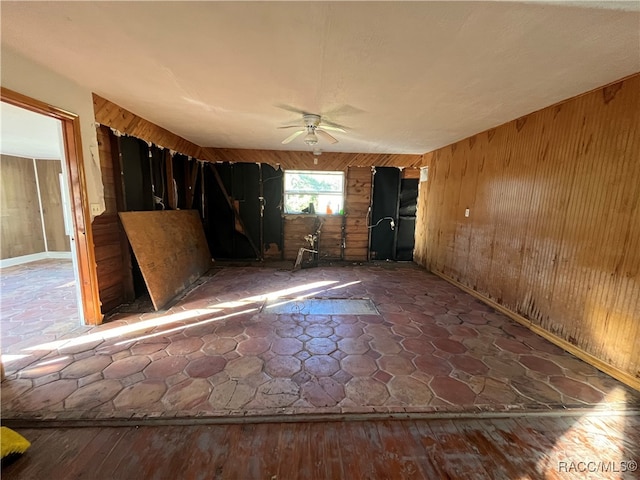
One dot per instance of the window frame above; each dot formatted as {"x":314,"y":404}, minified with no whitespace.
{"x":339,"y":194}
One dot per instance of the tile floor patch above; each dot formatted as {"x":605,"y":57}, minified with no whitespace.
{"x":429,"y":348}
{"x":322,"y":306}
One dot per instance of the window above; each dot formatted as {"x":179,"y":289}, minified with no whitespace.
{"x":313,"y":192}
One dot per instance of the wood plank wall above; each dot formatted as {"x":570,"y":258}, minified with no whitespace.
{"x":49,"y":180}
{"x":20,"y":223}
{"x":357,"y":203}
{"x":328,"y":161}
{"x":111,"y":247}
{"x":553,"y":234}
{"x":342,"y":237}
{"x":296,"y":227}
{"x":24,"y":229}
{"x":111,"y":115}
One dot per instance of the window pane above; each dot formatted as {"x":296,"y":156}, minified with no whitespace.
{"x":313,"y":192}
{"x":299,"y":203}
{"x":307,"y":182}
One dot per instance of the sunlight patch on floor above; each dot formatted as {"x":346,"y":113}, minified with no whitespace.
{"x":187,"y":315}
{"x":8,"y":358}
{"x":595,"y":429}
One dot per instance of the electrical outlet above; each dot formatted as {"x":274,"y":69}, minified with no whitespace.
{"x":466,"y":212}
{"x":95,"y":209}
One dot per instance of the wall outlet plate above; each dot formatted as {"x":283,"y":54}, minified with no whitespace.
{"x":95,"y":209}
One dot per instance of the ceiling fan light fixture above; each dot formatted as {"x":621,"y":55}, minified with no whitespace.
{"x":310,"y":138}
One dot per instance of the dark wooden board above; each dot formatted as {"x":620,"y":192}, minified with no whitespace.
{"x":516,"y":447}
{"x":171,"y":250}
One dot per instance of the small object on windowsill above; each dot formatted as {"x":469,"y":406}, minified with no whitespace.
{"x":310,"y":209}
{"x":329,"y":211}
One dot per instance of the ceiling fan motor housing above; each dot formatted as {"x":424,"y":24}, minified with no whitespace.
{"x":311,"y":120}
{"x":313,"y":129}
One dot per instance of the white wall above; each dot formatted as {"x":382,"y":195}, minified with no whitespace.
{"x":28,"y":78}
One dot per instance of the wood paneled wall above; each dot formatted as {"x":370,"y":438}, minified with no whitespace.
{"x":111,"y":248}
{"x":296,"y":227}
{"x":49,"y":180}
{"x":114,"y":116}
{"x":356,"y":205}
{"x":342,"y":237}
{"x":330,"y":161}
{"x":32,"y":218}
{"x":21,"y":226}
{"x":553,"y":234}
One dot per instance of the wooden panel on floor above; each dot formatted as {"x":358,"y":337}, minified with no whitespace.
{"x":171,"y":250}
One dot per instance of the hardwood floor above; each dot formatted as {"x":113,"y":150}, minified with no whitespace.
{"x":590,"y":445}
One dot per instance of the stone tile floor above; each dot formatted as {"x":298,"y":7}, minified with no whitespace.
{"x":37,"y":303}
{"x":220,"y":351}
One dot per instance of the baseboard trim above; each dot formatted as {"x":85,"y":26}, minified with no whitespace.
{"x":34,"y":257}
{"x":601,"y":365}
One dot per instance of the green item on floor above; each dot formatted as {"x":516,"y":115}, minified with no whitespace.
{"x":13,"y":444}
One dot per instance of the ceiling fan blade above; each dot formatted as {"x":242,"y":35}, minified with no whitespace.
{"x":326,"y":136}
{"x":292,"y":137}
{"x":333,"y":129}
{"x":289,"y":108}
{"x":292,"y":126}
{"x":332,"y":124}
{"x":343,"y":110}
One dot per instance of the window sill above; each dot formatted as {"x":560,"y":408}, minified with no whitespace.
{"x":312,"y":215}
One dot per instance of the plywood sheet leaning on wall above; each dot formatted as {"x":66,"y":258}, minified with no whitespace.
{"x":171,"y":250}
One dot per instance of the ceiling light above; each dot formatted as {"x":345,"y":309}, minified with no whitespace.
{"x":310,"y":138}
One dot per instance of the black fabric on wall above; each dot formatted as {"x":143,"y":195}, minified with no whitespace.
{"x":272,"y":215}
{"x":242,"y":182}
{"x":136,"y":174}
{"x":386,"y":183}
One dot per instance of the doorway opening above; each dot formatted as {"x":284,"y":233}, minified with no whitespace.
{"x":40,"y":294}
{"x":49,"y":284}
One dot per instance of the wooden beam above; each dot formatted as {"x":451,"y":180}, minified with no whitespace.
{"x":171,"y":192}
{"x":191,"y":183}
{"x":234,"y":208}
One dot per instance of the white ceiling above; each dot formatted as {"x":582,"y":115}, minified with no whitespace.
{"x":404,"y":77}
{"x":27,"y":134}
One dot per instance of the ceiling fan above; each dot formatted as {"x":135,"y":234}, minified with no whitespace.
{"x":311,"y":126}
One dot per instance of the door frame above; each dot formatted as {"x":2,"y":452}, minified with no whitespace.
{"x":85,"y":253}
